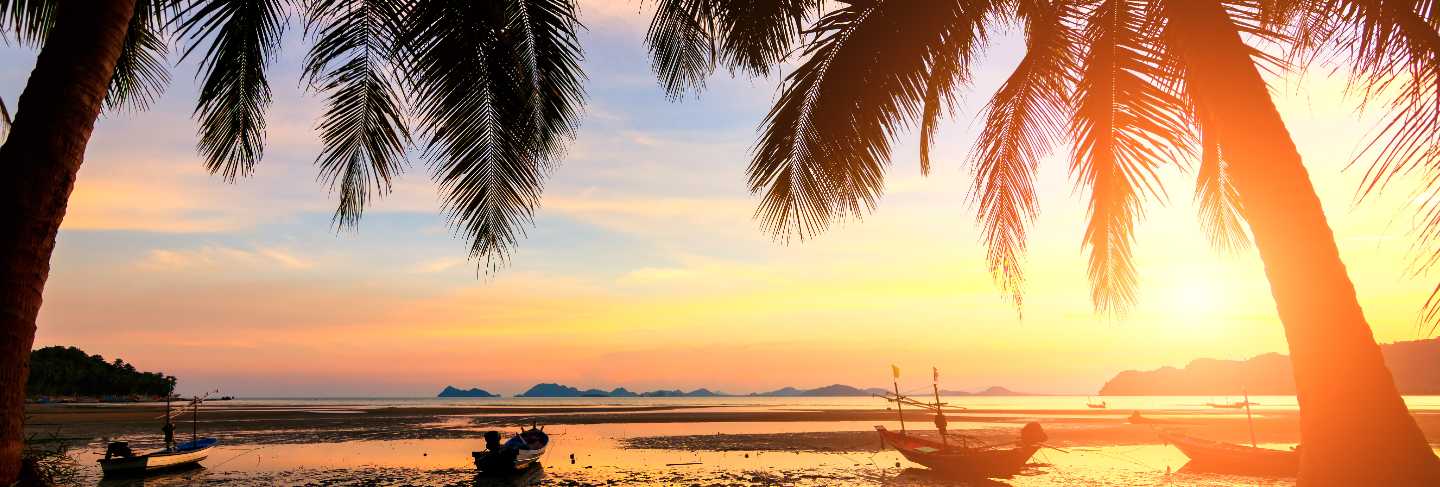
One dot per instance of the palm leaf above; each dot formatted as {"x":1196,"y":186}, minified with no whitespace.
{"x":239,"y":39}
{"x":140,"y":73}
{"x":28,"y":21}
{"x":825,"y":144}
{"x":1217,"y":199}
{"x":1219,"y":206}
{"x":4,"y":121}
{"x":363,"y":128}
{"x":688,"y":39}
{"x":1126,"y":124}
{"x":497,"y":89}
{"x":1023,"y":121}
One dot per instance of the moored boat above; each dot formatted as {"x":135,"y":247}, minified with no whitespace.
{"x":955,"y":455}
{"x":963,"y":461}
{"x":1223,"y":457}
{"x":517,"y":454}
{"x":183,"y":455}
{"x":120,"y":461}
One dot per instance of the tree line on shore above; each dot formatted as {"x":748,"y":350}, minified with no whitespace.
{"x":69,"y":371}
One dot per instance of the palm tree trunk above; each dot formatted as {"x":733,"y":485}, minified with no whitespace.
{"x":53,"y":121}
{"x":1354,"y":426}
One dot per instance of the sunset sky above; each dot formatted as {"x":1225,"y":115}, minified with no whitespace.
{"x":644,"y":268}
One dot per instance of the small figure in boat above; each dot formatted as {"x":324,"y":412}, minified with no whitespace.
{"x":118,"y":449}
{"x":499,"y":456}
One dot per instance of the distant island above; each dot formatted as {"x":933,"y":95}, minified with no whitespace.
{"x":834,"y":390}
{"x":1414,"y":364}
{"x":70,"y":374}
{"x":830,"y":390}
{"x":452,"y":391}
{"x":556,"y":390}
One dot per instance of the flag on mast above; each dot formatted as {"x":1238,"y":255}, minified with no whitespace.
{"x":895,"y":370}
{"x":937,"y":374}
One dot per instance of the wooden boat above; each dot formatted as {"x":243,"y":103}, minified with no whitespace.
{"x":960,"y":461}
{"x":1090,"y":403}
{"x":119,"y":461}
{"x":945,"y":456}
{"x":186,"y":454}
{"x":1230,"y":405}
{"x":526,"y":447}
{"x":1215,"y":456}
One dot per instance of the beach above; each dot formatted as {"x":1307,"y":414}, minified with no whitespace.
{"x":670,"y":441}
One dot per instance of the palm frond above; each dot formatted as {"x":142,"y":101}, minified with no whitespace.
{"x":825,"y":145}
{"x":1126,"y":124}
{"x":4,"y":121}
{"x":1218,"y":200}
{"x":140,"y":72}
{"x":363,"y":129}
{"x":1220,"y":210}
{"x":688,"y":39}
{"x":1393,"y":48}
{"x":28,"y":21}
{"x":497,"y":89}
{"x":681,"y":45}
{"x":239,"y":39}
{"x":1023,"y":121}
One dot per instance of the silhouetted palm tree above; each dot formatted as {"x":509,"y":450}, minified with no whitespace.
{"x":1133,"y":85}
{"x":493,"y":89}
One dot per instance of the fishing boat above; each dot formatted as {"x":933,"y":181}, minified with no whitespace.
{"x":1219,"y":457}
{"x":958,"y":460}
{"x":957,"y":455}
{"x":1090,"y":403}
{"x":187,"y":454}
{"x":1230,"y":405}
{"x":119,"y":461}
{"x":517,"y":454}
{"x":1215,"y":456}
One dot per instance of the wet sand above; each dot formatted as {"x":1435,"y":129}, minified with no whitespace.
{"x":650,"y":445}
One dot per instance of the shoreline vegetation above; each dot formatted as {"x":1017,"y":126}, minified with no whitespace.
{"x":68,"y":374}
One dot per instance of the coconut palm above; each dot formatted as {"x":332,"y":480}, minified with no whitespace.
{"x":490,"y":91}
{"x":1133,"y":86}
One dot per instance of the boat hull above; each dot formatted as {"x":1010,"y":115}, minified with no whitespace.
{"x":154,"y":462}
{"x":488,"y":463}
{"x":957,"y":461}
{"x":1214,"y":456}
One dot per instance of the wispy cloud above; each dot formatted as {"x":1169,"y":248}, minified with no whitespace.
{"x":210,"y":257}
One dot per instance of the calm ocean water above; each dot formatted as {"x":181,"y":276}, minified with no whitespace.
{"x":1176,"y":403}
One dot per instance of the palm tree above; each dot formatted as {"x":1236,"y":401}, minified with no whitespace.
{"x":491,"y":90}
{"x":1134,"y":86}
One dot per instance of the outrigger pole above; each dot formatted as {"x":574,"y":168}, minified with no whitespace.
{"x":896,"y":372}
{"x":1248,"y":419}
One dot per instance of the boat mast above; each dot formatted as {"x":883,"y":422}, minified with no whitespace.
{"x":1248,"y":419}
{"x":195,"y":421}
{"x":898,"y":409}
{"x":939,"y":412}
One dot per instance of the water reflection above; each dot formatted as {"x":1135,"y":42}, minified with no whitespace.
{"x":184,"y":475}
{"x":530,"y":476}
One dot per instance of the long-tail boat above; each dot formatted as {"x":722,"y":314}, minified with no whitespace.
{"x":120,"y":461}
{"x":1215,"y":456}
{"x":1220,"y":457}
{"x":956,"y":455}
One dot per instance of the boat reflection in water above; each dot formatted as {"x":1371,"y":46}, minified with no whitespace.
{"x":531,"y":475}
